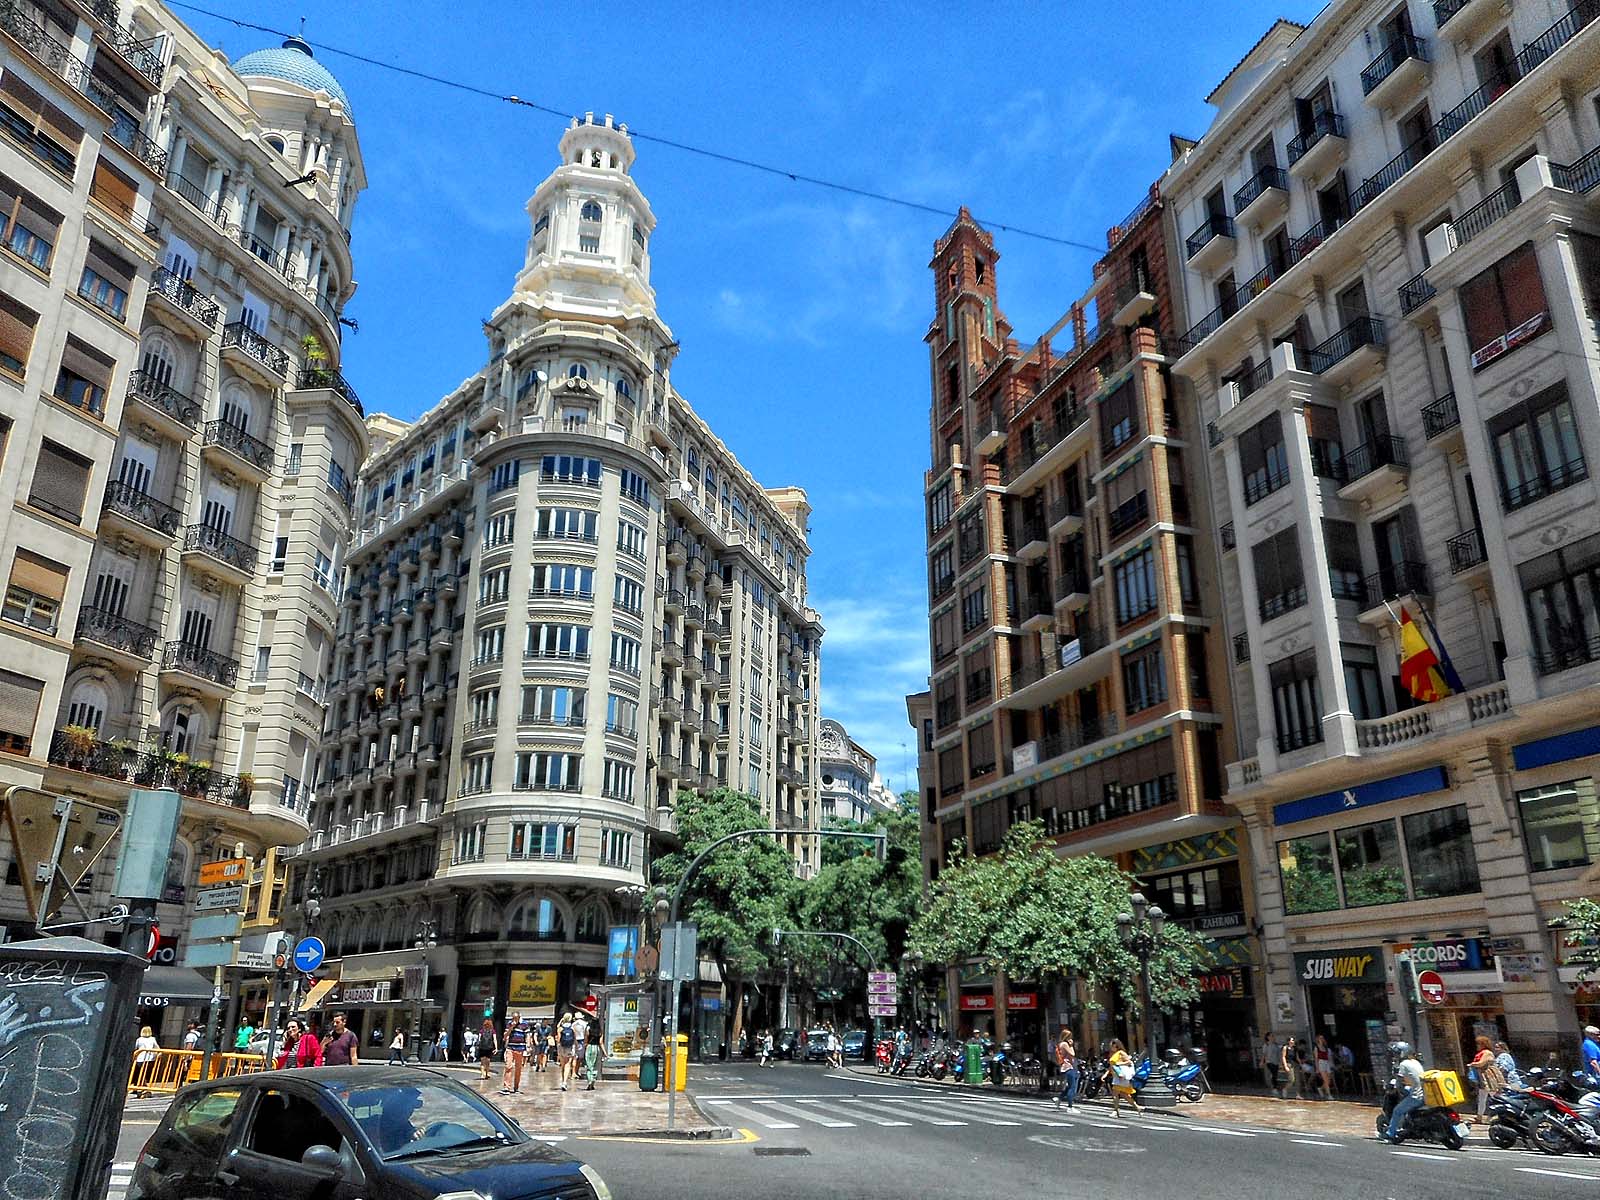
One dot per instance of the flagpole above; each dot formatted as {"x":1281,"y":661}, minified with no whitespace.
{"x":1451,"y":676}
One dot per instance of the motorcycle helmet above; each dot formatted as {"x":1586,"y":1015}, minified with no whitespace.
{"x":1400,"y":1050}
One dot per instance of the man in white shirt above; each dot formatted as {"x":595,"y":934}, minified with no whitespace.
{"x":1410,"y":1072}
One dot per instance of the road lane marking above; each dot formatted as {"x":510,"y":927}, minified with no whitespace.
{"x":966,"y":1110}
{"x":1312,"y":1142}
{"x":1557,"y":1174}
{"x":915,"y":1115}
{"x":826,"y":1122}
{"x":1420,"y":1154}
{"x":1216,"y":1129}
{"x":856,"y":1110}
{"x":727,"y":1106}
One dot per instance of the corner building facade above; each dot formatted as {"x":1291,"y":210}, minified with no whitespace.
{"x":1389,"y":265}
{"x":182,"y":463}
{"x":1076,"y":660}
{"x":566,"y":602}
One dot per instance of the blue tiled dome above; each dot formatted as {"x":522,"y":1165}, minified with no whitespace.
{"x":292,"y":62}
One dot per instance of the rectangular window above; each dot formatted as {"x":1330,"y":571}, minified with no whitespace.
{"x":1305,"y":867}
{"x":1369,"y":863}
{"x":1344,"y":559}
{"x":1536,"y":448}
{"x":1188,"y":583}
{"x":631,"y":540}
{"x":60,"y":482}
{"x":490,"y":645}
{"x":625,"y":653}
{"x":494,"y":587}
{"x":981,"y":750}
{"x":1296,"y":701}
{"x":1144,"y":681}
{"x":939,"y":508}
{"x":1119,"y":418}
{"x":1136,"y":587}
{"x":942,"y":570}
{"x":546,"y":772}
{"x":322,"y":571}
{"x":562,"y":579}
{"x":628,"y":596}
{"x":19,"y":710}
{"x":635,"y":487}
{"x":952,"y":775}
{"x":571,"y":469}
{"x":616,"y":848}
{"x":618,"y":783}
{"x":1562,"y":593}
{"x":469,"y":842}
{"x":1560,"y":824}
{"x":16,"y":335}
{"x":105,"y":281}
{"x":33,"y":597}
{"x":548,"y":704}
{"x":975,"y":608}
{"x":1361,"y":681}
{"x":622,"y":714}
{"x":1504,"y":306}
{"x":553,"y":840}
{"x":499,"y":530}
{"x":1439,"y":849}
{"x":1325,"y":441}
{"x":1263,"y":462}
{"x":503,"y":476}
{"x":83,"y":377}
{"x":1280,"y":582}
{"x":28,"y":227}
{"x":557,"y":641}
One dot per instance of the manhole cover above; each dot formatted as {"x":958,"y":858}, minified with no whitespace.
{"x":781,"y":1151}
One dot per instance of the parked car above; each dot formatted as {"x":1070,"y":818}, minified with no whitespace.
{"x":816,"y":1045}
{"x":855,"y":1044}
{"x":786,"y":1043}
{"x":336,"y":1133}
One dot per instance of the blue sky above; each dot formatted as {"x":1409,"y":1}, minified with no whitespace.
{"x":801,"y":312}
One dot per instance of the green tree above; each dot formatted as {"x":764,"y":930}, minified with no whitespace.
{"x":1581,"y":925}
{"x":1035,"y":915}
{"x":741,"y":893}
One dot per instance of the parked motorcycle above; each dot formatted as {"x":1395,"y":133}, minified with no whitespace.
{"x":1513,"y":1116}
{"x":1184,"y":1078}
{"x":1426,"y":1124}
{"x":1570,"y":1120}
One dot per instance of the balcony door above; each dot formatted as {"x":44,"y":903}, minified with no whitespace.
{"x":137,"y":467}
{"x":1395,"y":540}
{"x":112,"y":585}
{"x":179,"y":258}
{"x":1373,"y":416}
{"x":1352,"y":303}
{"x":219,"y":507}
{"x":199,"y":621}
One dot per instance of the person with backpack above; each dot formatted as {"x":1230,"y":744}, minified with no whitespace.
{"x":566,"y":1045}
{"x":488,"y":1048}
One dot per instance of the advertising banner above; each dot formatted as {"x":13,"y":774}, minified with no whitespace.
{"x":532,"y":987}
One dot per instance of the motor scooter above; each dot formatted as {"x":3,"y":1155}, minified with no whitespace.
{"x":1426,"y":1124}
{"x":1570,"y":1120}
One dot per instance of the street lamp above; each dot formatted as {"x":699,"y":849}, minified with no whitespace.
{"x":426,"y":939}
{"x":1140,"y":933}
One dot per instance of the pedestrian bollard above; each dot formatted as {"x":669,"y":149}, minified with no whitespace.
{"x":974,"y":1067}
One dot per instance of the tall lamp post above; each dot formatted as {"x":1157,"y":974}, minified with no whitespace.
{"x":1140,"y":933}
{"x":426,"y":939}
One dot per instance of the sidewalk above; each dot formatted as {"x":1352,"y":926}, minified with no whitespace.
{"x":615,"y":1106}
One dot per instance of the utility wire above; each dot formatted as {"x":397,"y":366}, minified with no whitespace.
{"x":658,"y":139}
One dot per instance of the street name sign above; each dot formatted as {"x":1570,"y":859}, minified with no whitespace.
{"x":219,"y":898}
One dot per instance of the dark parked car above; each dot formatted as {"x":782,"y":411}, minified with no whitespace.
{"x":785,"y":1043}
{"x":339,"y":1133}
{"x":855,"y":1044}
{"x":816,"y":1045}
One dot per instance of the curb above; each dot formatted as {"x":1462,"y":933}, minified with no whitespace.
{"x":717,"y":1133}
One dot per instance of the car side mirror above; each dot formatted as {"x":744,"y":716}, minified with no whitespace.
{"x":322,"y":1158}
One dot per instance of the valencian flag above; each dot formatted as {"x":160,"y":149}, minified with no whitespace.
{"x":1419,"y":665}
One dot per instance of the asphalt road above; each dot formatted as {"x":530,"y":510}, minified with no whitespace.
{"x":815,"y":1133}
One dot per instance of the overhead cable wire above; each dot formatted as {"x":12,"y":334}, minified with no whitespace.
{"x":635,"y":133}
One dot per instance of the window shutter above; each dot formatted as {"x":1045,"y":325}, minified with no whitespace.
{"x":19,"y":704}
{"x":20,"y":97}
{"x":113,"y":189}
{"x":37,"y":574}
{"x":60,"y":481}
{"x":107,"y":265}
{"x":16,"y":330}
{"x":58,"y":125}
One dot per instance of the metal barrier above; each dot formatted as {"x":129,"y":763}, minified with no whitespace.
{"x":168,"y":1070}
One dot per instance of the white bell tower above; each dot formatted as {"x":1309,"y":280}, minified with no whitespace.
{"x":589,"y":255}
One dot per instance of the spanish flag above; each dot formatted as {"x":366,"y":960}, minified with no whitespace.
{"x":1419,"y":666}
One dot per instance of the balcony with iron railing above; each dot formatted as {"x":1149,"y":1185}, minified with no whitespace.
{"x":1414,"y":293}
{"x":221,"y":546}
{"x":1457,"y":118}
{"x":1228,"y":537}
{"x":1129,"y":515}
{"x":1401,"y":49}
{"x":1440,"y":416}
{"x":1269,"y":178}
{"x":1090,"y":640}
{"x":1323,"y":125}
{"x":237,"y":442}
{"x":1558,"y":35}
{"x":1290,"y":598}
{"x":1358,"y":334}
{"x":1241,"y":647}
{"x":33,"y":37}
{"x":313,"y":376}
{"x":1478,"y":218}
{"x":186,"y":296}
{"x":1536,"y":486}
{"x":1466,"y":550}
{"x":114,"y":630}
{"x":146,"y":767}
{"x":1216,"y":225}
{"x":1394,"y":581}
{"x":195,"y":196}
{"x":128,"y":501}
{"x":1390,"y":173}
{"x":1581,"y":176}
{"x":128,"y":135}
{"x":200,"y":661}
{"x":238,"y":335}
{"x":1383,"y":451}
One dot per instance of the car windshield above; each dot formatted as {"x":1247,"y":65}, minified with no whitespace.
{"x":414,"y":1119}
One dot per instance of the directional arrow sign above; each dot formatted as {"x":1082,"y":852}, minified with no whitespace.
{"x":881,"y":989}
{"x":881,"y":977}
{"x":881,"y":1010}
{"x":309,"y":953}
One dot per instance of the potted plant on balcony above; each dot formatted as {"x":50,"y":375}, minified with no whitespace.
{"x":247,"y":785}
{"x":316,"y":361}
{"x":78,"y":744}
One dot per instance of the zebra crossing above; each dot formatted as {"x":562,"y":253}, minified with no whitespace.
{"x":121,"y":1177}
{"x":845,"y":1111}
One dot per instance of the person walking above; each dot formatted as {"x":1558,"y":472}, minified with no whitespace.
{"x":580,"y":1045}
{"x":1268,"y":1055}
{"x":540,"y":1045}
{"x":145,"y":1053}
{"x":469,"y":1045}
{"x":1485,"y":1072}
{"x":591,"y":1056}
{"x":288,"y":1045}
{"x":566,"y":1040}
{"x":1324,"y":1067}
{"x":1589,"y":1051}
{"x":1119,"y":1072}
{"x":516,"y":1055}
{"x":767,"y":1043}
{"x":397,"y":1047}
{"x":192,"y":1036}
{"x":1508,"y":1066}
{"x":242,"y":1035}
{"x":341,"y":1048}
{"x":835,"y":1048}
{"x":308,"y":1049}
{"x":441,"y":1046}
{"x":1289,"y":1064}
{"x":1067,"y":1064}
{"x":486,"y":1047}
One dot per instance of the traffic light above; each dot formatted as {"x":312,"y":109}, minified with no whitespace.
{"x":488,"y":1009}
{"x":280,"y":956}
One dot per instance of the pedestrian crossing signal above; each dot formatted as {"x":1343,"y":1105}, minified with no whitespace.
{"x":488,"y":1009}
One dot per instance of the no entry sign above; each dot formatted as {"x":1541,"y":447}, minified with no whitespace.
{"x":1430,"y":984}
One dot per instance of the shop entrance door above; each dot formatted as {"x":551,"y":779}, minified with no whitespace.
{"x":1350,"y":1015}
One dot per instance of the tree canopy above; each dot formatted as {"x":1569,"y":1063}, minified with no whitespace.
{"x":1582,"y":925}
{"x":856,"y":892}
{"x":1035,"y":915}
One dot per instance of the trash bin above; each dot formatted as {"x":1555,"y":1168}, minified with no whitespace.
{"x":974,"y":1067}
{"x":649,"y":1072}
{"x":678,"y":1064}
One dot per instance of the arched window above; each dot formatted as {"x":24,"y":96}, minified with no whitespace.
{"x":537,"y":919}
{"x":160,"y":357}
{"x":591,"y":925}
{"x":238,"y":405}
{"x":90,"y":702}
{"x":183,"y":728}
{"x":480,"y":923}
{"x":624,"y":388}
{"x":577,"y":371}
{"x":590,"y":210}
{"x":276,"y":142}
{"x":394,"y":932}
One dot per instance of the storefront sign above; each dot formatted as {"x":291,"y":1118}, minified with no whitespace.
{"x":1447,"y":954}
{"x":983,"y":1003}
{"x":1015,"y":1002}
{"x":1520,"y":968}
{"x":1025,"y":757}
{"x":532,"y":987}
{"x":1071,"y":652}
{"x":1363,"y":964}
{"x":1218,"y":923}
{"x":1362,"y":795}
{"x":1506,"y":342}
{"x":365,"y":993}
{"x":1230,"y":982}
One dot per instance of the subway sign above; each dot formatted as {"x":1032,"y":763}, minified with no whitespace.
{"x":1363,"y":964}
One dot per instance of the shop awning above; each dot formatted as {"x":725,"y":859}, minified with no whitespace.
{"x":313,"y":998}
{"x":174,"y":985}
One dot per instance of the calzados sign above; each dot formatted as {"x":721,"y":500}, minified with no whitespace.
{"x":1361,"y":965}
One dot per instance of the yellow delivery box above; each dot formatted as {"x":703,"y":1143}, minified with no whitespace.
{"x":1442,"y":1089}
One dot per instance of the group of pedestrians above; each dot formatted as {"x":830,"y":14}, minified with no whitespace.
{"x":1304,"y":1068}
{"x":573,"y":1044}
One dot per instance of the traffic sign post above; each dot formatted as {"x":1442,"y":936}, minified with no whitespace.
{"x":1430,"y":986}
{"x":309,"y":953}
